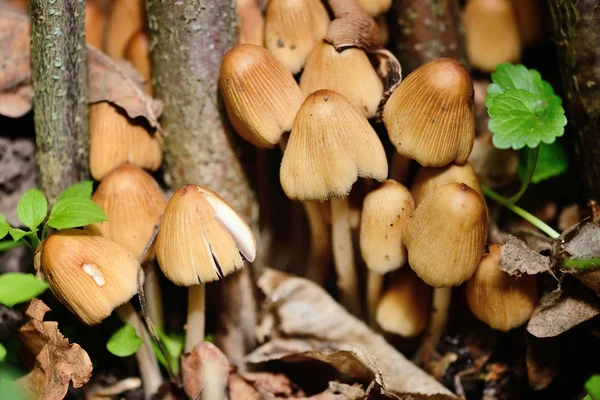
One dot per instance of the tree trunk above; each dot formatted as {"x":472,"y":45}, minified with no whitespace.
{"x":577,"y":37}
{"x":59,"y":73}
{"x":188,"y":39}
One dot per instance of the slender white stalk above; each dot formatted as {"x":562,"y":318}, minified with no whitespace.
{"x":154,"y":296}
{"x":147,"y":362}
{"x":437,"y":322}
{"x":195,"y":317}
{"x":320,"y":239}
{"x":374,"y":286}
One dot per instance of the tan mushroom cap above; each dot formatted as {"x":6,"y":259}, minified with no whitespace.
{"x":430,"y":117}
{"x":133,"y":203}
{"x":252,"y":22}
{"x":95,"y":22}
{"x":375,"y":7}
{"x":115,"y":140}
{"x":430,"y":178}
{"x":502,"y":301}
{"x":89,"y":274}
{"x":126,"y":17}
{"x":137,"y":53}
{"x":261,"y":96}
{"x":293,"y":28}
{"x":331,"y":145}
{"x":348,"y":72}
{"x":446,"y":235}
{"x":386,"y":210}
{"x":201,"y":237}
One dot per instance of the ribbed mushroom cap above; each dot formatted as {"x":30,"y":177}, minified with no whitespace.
{"x":349,"y":73}
{"x":133,"y":203}
{"x":491,"y":34}
{"x":89,"y":274}
{"x":430,"y":116}
{"x":446,"y":235}
{"x":201,"y":237}
{"x":115,"y":140}
{"x":430,"y":178}
{"x":95,"y":22}
{"x":126,"y":17}
{"x":261,"y":96}
{"x":375,"y":7}
{"x":502,"y":301}
{"x":385,"y":211}
{"x":405,"y":305}
{"x":330,"y":146}
{"x":137,"y":53}
{"x":292,"y":28}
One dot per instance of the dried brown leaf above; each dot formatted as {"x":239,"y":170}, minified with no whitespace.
{"x":195,"y":365}
{"x":56,"y":362}
{"x":239,"y":389}
{"x":340,"y":391}
{"x":542,"y":361}
{"x":270,"y":384}
{"x":297,"y":308}
{"x":581,"y":240}
{"x":518,"y":258}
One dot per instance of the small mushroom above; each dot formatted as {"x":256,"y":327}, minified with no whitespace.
{"x":429,"y":178}
{"x":375,"y":7}
{"x":292,"y":28}
{"x":137,"y":53}
{"x":530,"y":20}
{"x":429,"y":116}
{"x":446,"y":235}
{"x":261,"y":96}
{"x":252,"y":22}
{"x":200,"y":240}
{"x":95,"y":22}
{"x":502,"y":301}
{"x":125,"y":18}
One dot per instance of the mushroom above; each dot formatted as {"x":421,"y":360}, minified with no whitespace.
{"x":375,"y":7}
{"x":331,"y":145}
{"x":502,"y":301}
{"x":530,"y":20}
{"x":125,"y":18}
{"x":200,"y":240}
{"x":95,"y":22}
{"x":446,"y":235}
{"x":115,"y":140}
{"x":429,"y":116}
{"x":252,"y":23}
{"x":137,"y":53}
{"x":491,"y":34}
{"x":428,"y":179}
{"x":385,"y":211}
{"x":348,"y":72}
{"x":292,"y":28}
{"x":92,"y":276}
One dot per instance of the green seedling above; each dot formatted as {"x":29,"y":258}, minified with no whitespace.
{"x":592,"y":386}
{"x":124,"y":342}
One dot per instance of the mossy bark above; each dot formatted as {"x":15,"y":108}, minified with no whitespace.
{"x":187,"y":40}
{"x":423,"y":30}
{"x":59,"y":73}
{"x":577,"y":38}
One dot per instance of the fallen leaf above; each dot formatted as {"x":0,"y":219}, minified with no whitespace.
{"x":579,"y":242}
{"x":340,"y":391}
{"x":542,"y":361}
{"x":239,"y":389}
{"x":518,"y":258}
{"x":299,"y":309}
{"x":56,"y":362}
{"x":269,"y":384}
{"x":204,"y":360}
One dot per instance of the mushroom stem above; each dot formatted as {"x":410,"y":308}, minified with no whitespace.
{"x":320,"y":243}
{"x":195,"y":317}
{"x":400,"y":168}
{"x":437,"y":323}
{"x":147,"y":362}
{"x":154,"y":296}
{"x":343,"y":255}
{"x":374,"y":286}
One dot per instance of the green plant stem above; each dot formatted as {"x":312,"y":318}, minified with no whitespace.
{"x":532,"y":156}
{"x":582,"y":264}
{"x":520,"y":212}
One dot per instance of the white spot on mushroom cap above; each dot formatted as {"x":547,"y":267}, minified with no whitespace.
{"x":95,"y":273}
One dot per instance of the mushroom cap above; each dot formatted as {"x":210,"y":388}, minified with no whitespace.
{"x":115,"y":140}
{"x":430,"y":178}
{"x":330,"y":146}
{"x":430,"y":116}
{"x":89,"y":274}
{"x":126,"y":17}
{"x":386,"y":210}
{"x":375,"y":7}
{"x":446,"y":235}
{"x":137,"y":53}
{"x":500,"y":300}
{"x":292,"y":28}
{"x":261,"y":96}
{"x":133,"y":203}
{"x":348,"y":72}
{"x":252,"y":22}
{"x":201,"y":237}
{"x":491,"y":33}
{"x":95,"y":22}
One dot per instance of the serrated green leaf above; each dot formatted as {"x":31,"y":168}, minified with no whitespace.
{"x":74,"y":212}
{"x":81,"y":189}
{"x":593,"y":387}
{"x":16,"y":287}
{"x":518,"y":121}
{"x":9,"y":244}
{"x":32,"y":208}
{"x":4,"y":226}
{"x":17,"y":233}
{"x":552,"y":161}
{"x":124,"y":342}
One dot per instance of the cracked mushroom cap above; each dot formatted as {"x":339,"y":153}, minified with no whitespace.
{"x":89,"y":274}
{"x":331,"y":145}
{"x":430,"y":116}
{"x":261,"y":96}
{"x":201,"y":237}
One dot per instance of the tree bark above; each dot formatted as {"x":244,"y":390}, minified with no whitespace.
{"x":424,"y":30}
{"x":59,"y":73}
{"x":188,"y":39}
{"x":577,"y":38}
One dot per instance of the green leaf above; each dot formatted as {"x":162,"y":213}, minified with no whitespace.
{"x":82,"y":189}
{"x":32,"y":208}
{"x":173,"y":344}
{"x":552,"y":161}
{"x":17,"y":233}
{"x":593,"y":387}
{"x":73,"y":212}
{"x":518,"y":120}
{"x":124,"y":342}
{"x":9,"y":244}
{"x":3,"y":352}
{"x":4,"y":226}
{"x":8,"y":374}
{"x":16,"y":288}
